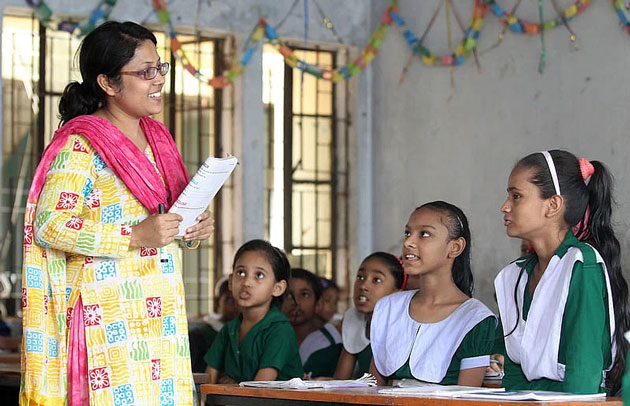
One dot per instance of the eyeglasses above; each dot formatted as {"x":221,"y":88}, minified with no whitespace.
{"x":150,"y":73}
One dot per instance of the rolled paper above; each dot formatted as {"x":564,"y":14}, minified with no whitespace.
{"x":285,"y":50}
{"x":270,"y":33}
{"x":459,"y":60}
{"x":231,"y":75}
{"x":477,"y":23}
{"x":67,"y":27}
{"x":516,"y":28}
{"x":429,"y":60}
{"x":368,"y":57}
{"x":460,"y":48}
{"x":353,"y":69}
{"x":247,"y":56}
{"x":175,"y":44}
{"x":512,"y":20}
{"x":376,"y":42}
{"x":291,"y":60}
{"x":258,"y":34}
{"x":336,"y":77}
{"x":469,"y":44}
{"x":219,"y":82}
{"x":190,"y":68}
{"x":549,"y":25}
{"x":424,"y":51}
{"x":410,"y":37}
{"x":96,"y":15}
{"x":479,"y":11}
{"x":532,"y":28}
{"x":498,"y":11}
{"x":386,"y":19}
{"x":326,"y":74}
{"x":397,"y":18}
{"x":571,"y":11}
{"x":43,"y":12}
{"x":164,"y":16}
{"x":447,"y":60}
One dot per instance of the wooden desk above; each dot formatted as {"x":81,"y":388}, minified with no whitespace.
{"x":237,"y":396}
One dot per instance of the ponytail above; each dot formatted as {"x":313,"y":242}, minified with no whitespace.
{"x":78,"y":99}
{"x":602,"y":237}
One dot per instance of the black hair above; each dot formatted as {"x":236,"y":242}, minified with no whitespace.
{"x":224,"y":287}
{"x":326,"y":283}
{"x":457,"y":225}
{"x":105,"y":50}
{"x":597,"y":196}
{"x":277,"y":259}
{"x":393,"y":264}
{"x":310,"y":278}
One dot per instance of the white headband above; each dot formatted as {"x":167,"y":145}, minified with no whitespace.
{"x":552,"y":169}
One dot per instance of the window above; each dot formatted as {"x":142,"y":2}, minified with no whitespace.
{"x":307,"y":162}
{"x":194,"y":112}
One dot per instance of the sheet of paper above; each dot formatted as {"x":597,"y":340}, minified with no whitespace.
{"x":202,"y":188}
{"x":297,"y":383}
{"x":414,"y":387}
{"x":535,"y":395}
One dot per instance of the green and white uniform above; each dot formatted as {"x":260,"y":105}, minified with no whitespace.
{"x":564,"y":335}
{"x":430,"y":352}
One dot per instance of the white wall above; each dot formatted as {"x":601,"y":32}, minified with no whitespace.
{"x":432,"y":142}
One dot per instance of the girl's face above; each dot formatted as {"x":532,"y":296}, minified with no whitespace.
{"x":299,"y":307}
{"x":524,"y":209}
{"x":327,"y":304}
{"x":427,"y":243}
{"x":253,"y":281}
{"x":373,"y":282}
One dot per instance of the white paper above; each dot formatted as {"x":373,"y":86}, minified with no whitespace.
{"x":202,"y":188}
{"x":536,"y":395}
{"x":296,"y":383}
{"x":414,"y":387}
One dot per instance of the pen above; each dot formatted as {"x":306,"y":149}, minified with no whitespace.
{"x":163,"y":254}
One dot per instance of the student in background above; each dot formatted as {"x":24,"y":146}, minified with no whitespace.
{"x":259,"y":344}
{"x":379,"y":275}
{"x":438,"y":333}
{"x":201,"y":334}
{"x":225,"y":308}
{"x":564,"y":307}
{"x":326,"y":306}
{"x":319,"y":347}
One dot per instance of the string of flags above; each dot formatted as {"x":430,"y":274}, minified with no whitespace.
{"x":391,"y":16}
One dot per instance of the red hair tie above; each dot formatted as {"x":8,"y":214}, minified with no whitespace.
{"x":586,"y":168}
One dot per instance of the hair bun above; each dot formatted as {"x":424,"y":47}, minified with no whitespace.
{"x":586,"y":168}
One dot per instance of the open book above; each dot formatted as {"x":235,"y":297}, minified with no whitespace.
{"x":297,"y":383}
{"x":202,"y":188}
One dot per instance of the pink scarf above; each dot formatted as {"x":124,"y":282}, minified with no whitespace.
{"x":125,"y":159}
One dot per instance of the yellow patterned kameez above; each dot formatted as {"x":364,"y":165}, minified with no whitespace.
{"x":134,"y":308}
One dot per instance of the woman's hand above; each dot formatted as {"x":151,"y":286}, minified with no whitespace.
{"x":201,"y":230}
{"x":155,"y":231}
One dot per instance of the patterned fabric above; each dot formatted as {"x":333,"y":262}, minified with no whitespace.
{"x":77,"y":243}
